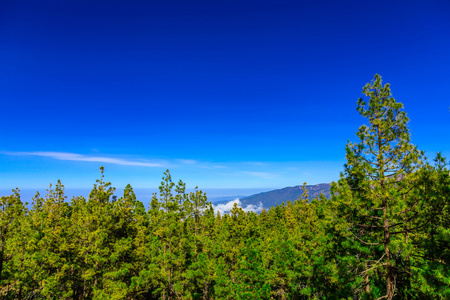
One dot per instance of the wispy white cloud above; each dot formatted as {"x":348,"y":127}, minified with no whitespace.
{"x":258,"y":174}
{"x":201,"y":164}
{"x":188,"y":161}
{"x":254,"y":208}
{"x":213,"y":167}
{"x":256,"y":163}
{"x":226,"y":207}
{"x":88,"y":158}
{"x":220,"y":167}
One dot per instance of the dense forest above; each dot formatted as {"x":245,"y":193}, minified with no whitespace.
{"x":383,"y":234}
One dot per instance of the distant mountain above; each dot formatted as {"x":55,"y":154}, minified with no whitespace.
{"x":272,"y":198}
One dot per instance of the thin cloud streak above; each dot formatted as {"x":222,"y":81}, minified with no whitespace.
{"x":87,"y":158}
{"x":213,"y":167}
{"x":188,"y":161}
{"x":258,"y":174}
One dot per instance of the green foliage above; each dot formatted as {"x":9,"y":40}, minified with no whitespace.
{"x":381,"y":201}
{"x":384,"y":234}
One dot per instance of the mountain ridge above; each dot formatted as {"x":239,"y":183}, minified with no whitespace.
{"x":278,"y":196}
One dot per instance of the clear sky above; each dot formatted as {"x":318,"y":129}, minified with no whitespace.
{"x":226,"y":94}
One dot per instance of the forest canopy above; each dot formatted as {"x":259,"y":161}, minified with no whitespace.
{"x":383,"y":234}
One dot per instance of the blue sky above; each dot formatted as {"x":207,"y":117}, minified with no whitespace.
{"x":226,"y":94}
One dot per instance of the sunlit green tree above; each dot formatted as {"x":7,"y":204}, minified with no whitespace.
{"x":376,"y":193}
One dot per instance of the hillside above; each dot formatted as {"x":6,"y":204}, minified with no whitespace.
{"x":272,"y":198}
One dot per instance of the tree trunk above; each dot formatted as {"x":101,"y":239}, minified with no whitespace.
{"x":389,"y":274}
{"x":1,"y":257}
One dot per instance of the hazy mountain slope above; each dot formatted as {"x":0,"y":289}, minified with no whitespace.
{"x":275,"y":197}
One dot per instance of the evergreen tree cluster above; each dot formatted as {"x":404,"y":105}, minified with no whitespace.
{"x":384,"y":234}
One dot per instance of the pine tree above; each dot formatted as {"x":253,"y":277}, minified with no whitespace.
{"x":199,"y":223}
{"x":427,"y":259}
{"x":54,"y":245}
{"x":375,"y":194}
{"x":93,"y":221}
{"x":12,"y":215}
{"x":122,"y":261}
{"x":169,"y":257}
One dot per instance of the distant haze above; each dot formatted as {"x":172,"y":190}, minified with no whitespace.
{"x":142,"y":194}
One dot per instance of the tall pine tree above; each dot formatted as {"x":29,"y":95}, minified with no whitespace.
{"x":374,"y":194}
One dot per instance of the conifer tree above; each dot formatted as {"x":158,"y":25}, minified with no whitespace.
{"x":12,"y":214}
{"x":168,"y":244}
{"x":94,"y":223}
{"x":427,"y":259}
{"x":199,"y":223}
{"x":375,"y":193}
{"x":54,"y":245}
{"x":122,"y":262}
